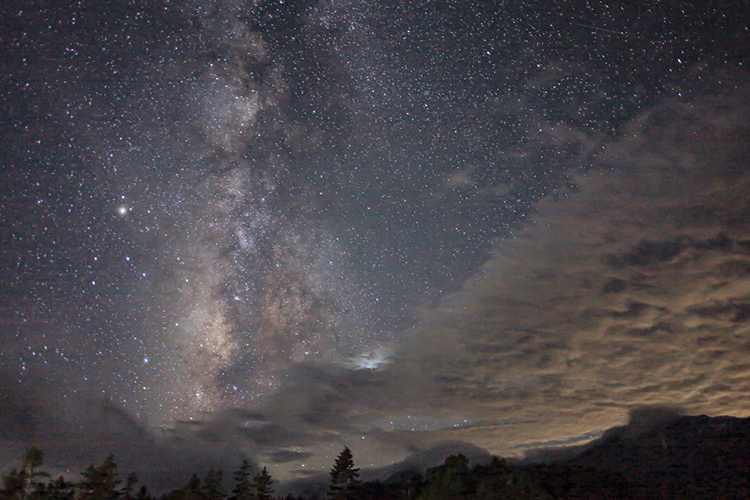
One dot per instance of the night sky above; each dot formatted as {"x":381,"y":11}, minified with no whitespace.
{"x":269,"y":229}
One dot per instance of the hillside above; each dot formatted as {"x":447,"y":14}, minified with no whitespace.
{"x":690,"y":457}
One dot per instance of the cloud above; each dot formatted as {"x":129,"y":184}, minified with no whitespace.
{"x":631,"y":292}
{"x":634,"y":291}
{"x":283,"y":456}
{"x":78,"y":430}
{"x":647,"y":417}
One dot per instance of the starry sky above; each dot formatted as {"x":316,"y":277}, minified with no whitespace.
{"x":272,"y":228}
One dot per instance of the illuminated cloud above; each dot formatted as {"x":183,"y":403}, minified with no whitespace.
{"x":633,"y":291}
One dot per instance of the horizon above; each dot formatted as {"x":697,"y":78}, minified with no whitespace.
{"x":662,"y":426}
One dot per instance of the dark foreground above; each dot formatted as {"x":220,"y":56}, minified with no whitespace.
{"x":687,"y":457}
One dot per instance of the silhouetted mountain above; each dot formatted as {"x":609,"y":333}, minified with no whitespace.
{"x":684,"y":457}
{"x":660,"y":454}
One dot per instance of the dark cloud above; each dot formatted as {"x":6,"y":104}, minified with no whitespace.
{"x":647,"y":417}
{"x":280,"y":457}
{"x":78,"y":430}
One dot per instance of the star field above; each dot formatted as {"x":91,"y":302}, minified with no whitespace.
{"x":259,"y":214}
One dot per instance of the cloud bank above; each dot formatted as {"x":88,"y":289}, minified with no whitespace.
{"x":634,"y":291}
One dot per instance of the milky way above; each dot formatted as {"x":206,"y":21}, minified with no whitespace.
{"x":271,"y":218}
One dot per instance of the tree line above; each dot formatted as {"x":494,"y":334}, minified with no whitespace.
{"x":103,"y":483}
{"x":452,"y":480}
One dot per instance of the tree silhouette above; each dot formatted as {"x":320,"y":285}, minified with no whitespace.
{"x":212,"y":485}
{"x":33,"y":457}
{"x":449,"y":481}
{"x":262,"y":485}
{"x":242,"y":489}
{"x":13,"y":485}
{"x":60,"y":489}
{"x":100,"y":483}
{"x":143,"y":494}
{"x":127,"y":490}
{"x":191,"y":491}
{"x":344,"y":476}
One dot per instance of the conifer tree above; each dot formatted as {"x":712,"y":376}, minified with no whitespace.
{"x":450,"y":481}
{"x":13,"y":485}
{"x":33,"y":457}
{"x":242,"y":489}
{"x":213,"y":488}
{"x":143,"y":494}
{"x":344,"y":476}
{"x":193,"y":489}
{"x":262,"y":485}
{"x":127,"y":490}
{"x":100,"y":483}
{"x":60,"y":489}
